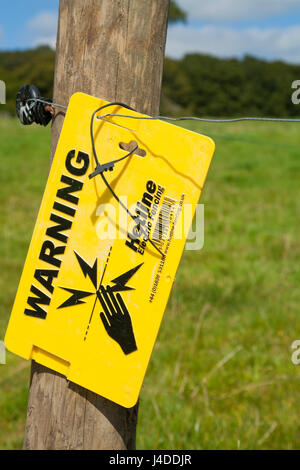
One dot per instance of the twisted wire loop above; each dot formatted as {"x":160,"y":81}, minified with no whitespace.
{"x":98,"y":171}
{"x":28,"y":114}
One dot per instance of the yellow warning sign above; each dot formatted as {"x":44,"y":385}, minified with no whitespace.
{"x":105,"y":249}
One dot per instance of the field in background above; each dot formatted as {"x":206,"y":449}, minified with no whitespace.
{"x":221,"y":375}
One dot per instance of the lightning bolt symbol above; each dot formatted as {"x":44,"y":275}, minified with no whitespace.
{"x":121,"y":281}
{"x":75,"y":297}
{"x":90,"y":271}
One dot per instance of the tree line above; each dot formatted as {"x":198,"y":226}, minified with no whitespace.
{"x":197,"y":84}
{"x":205,"y":85}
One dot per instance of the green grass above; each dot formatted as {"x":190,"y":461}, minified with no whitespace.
{"x":221,"y":375}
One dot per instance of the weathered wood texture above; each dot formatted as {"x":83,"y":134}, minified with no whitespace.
{"x":112,"y":49}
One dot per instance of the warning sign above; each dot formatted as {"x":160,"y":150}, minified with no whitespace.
{"x":100,"y":267}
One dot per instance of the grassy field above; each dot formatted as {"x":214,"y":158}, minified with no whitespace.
{"x":221,"y":375}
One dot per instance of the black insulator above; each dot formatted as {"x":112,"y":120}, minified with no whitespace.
{"x":30,"y":110}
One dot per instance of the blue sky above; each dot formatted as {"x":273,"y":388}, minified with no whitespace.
{"x":268,"y":29}
{"x":19,"y":28}
{"x":19,"y":23}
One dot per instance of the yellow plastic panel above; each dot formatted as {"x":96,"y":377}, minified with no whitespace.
{"x":93,"y":289}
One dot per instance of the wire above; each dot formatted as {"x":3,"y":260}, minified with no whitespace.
{"x":126,"y":156}
{"x":102,"y":175}
{"x":110,"y":165}
{"x":49,"y":103}
{"x":181,"y":118}
{"x":195,"y":118}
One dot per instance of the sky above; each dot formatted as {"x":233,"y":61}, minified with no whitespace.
{"x":268,"y":29}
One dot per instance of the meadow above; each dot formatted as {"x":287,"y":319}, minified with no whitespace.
{"x":221,"y":375}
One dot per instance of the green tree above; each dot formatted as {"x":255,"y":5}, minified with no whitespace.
{"x":175,"y":13}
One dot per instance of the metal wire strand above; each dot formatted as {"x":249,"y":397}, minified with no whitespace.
{"x":169,"y":118}
{"x":195,"y":118}
{"x":54,"y":105}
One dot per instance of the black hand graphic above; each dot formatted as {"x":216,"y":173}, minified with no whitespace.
{"x":116,"y":319}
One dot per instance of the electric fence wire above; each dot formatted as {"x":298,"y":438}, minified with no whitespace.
{"x":195,"y":118}
{"x":181,"y":118}
{"x":48,"y":103}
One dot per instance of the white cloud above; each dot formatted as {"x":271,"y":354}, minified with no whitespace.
{"x":235,"y":10}
{"x":42,"y":28}
{"x":269,"y":43}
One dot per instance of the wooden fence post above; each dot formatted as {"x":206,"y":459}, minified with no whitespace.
{"x":112,"y":49}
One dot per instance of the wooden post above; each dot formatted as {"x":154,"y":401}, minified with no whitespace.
{"x":112,"y":49}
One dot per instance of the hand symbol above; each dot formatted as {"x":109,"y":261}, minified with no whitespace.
{"x":116,"y":319}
